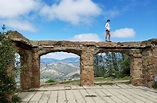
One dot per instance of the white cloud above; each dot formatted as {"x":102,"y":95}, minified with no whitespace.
{"x":23,"y":12}
{"x":15,"y":8}
{"x":73,"y":11}
{"x":111,"y":13}
{"x":15,"y":13}
{"x":60,"y":55}
{"x":20,"y":25}
{"x":86,"y":37}
{"x":123,"y":33}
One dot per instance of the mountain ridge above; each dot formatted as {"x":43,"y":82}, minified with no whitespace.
{"x":59,"y":69}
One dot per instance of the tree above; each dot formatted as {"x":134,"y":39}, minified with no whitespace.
{"x":111,"y":64}
{"x":125,"y":65}
{"x":7,"y":81}
{"x":99,"y":69}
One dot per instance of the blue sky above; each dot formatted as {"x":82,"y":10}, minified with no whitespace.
{"x":81,"y":20}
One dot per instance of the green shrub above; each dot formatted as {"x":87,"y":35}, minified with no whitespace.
{"x":155,"y":86}
{"x":50,"y":81}
{"x":16,"y":99}
{"x":7,"y":81}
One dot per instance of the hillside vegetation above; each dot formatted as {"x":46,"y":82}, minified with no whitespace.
{"x":59,"y":70}
{"x":111,"y":64}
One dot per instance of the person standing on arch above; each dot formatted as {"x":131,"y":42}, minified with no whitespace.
{"x":108,"y":28}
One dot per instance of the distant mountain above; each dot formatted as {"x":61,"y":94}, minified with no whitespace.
{"x":51,"y":60}
{"x":59,"y":69}
{"x":47,"y":60}
{"x":75,"y":74}
{"x":71,"y":60}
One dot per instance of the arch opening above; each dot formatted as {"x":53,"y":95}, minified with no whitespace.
{"x":17,"y":66}
{"x":59,"y":67}
{"x":111,"y":66}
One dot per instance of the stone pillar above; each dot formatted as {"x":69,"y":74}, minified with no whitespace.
{"x":136,"y":74}
{"x":35,"y":79}
{"x":150,"y":66}
{"x":86,"y":66}
{"x":154,"y":61}
{"x":25,"y":75}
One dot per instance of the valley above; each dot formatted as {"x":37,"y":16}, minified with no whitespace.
{"x":59,"y":70}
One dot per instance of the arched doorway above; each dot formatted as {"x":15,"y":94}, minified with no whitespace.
{"x":111,"y":66}
{"x":59,"y":67}
{"x":17,"y":65}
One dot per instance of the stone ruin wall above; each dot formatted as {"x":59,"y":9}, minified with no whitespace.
{"x":143,"y":60}
{"x":149,"y":68}
{"x":136,"y":67}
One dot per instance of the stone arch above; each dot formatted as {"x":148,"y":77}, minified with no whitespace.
{"x":35,"y":82}
{"x":104,"y":63}
{"x":77,"y":52}
{"x":143,"y":55}
{"x":60,"y":55}
{"x":136,"y":66}
{"x":26,"y":68}
{"x":86,"y":61}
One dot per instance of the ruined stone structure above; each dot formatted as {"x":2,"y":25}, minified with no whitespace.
{"x":143,"y":58}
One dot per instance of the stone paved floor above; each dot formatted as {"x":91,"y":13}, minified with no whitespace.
{"x":117,"y":93}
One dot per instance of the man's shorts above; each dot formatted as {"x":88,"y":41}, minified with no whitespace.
{"x":107,"y":30}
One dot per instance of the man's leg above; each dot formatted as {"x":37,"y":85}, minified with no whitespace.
{"x":106,"y":35}
{"x":106,"y":38}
